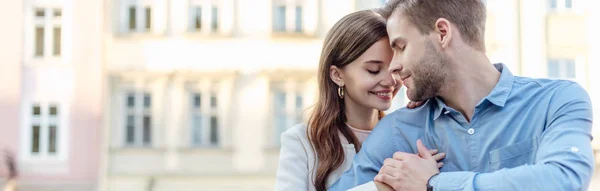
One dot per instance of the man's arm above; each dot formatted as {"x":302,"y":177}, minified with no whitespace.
{"x":564,"y":160}
{"x":381,"y":144}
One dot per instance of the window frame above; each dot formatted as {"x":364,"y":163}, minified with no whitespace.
{"x":207,"y":111}
{"x":139,"y":111}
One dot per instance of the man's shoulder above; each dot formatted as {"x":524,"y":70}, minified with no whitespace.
{"x":415,"y":116}
{"x":543,"y":83}
{"x":556,"y":92}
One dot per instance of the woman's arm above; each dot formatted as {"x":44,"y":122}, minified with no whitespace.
{"x":292,"y":173}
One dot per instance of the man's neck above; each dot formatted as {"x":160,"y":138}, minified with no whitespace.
{"x":471,"y":79}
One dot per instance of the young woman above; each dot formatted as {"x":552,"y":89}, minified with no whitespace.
{"x":355,"y":87}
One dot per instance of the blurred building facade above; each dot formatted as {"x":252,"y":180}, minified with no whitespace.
{"x":193,"y":94}
{"x":51,"y":103}
{"x":199,"y":90}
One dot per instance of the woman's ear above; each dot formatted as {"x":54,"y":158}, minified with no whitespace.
{"x":336,"y":76}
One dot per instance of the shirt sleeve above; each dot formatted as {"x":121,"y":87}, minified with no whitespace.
{"x":564,"y":159}
{"x":380,"y":144}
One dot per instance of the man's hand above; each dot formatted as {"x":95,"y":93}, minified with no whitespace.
{"x":408,"y":171}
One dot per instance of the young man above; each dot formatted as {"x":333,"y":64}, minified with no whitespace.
{"x":499,"y":131}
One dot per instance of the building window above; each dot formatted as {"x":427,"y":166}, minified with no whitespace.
{"x":197,"y":130}
{"x":138,"y":119}
{"x":288,"y":110}
{"x":57,"y":40}
{"x":299,"y":19}
{"x":204,"y":19}
{"x":196,"y":18}
{"x":280,"y":115}
{"x":47,"y":25}
{"x":39,"y":41}
{"x":214,"y":24}
{"x":561,"y":68}
{"x":560,"y":4}
{"x":280,"y":18}
{"x":57,"y":13}
{"x":148,"y":18}
{"x":132,"y":18}
{"x":205,"y":129}
{"x":139,"y":18}
{"x":45,"y":128}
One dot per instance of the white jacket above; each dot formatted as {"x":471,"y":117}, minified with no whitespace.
{"x":297,"y":162}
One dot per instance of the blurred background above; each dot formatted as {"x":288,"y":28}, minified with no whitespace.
{"x":193,"y":94}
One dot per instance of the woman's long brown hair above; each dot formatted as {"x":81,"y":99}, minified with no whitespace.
{"x":346,"y":41}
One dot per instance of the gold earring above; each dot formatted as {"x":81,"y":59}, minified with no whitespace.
{"x":341,"y":92}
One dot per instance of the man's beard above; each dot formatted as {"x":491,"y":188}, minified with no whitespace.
{"x":429,"y":74}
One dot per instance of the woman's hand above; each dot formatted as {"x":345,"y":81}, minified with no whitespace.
{"x":412,"y":104}
{"x":438,"y":157}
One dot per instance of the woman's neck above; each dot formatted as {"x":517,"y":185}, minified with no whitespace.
{"x":360,"y":117}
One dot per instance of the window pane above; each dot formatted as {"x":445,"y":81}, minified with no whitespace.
{"x":147,"y":100}
{"x":298,"y":110}
{"x":280,"y":102}
{"x":197,"y":100}
{"x":570,"y":68}
{"x":568,"y":4}
{"x":148,"y":18}
{"x":214,"y":19}
{"x":553,"y":69}
{"x":213,"y":101}
{"x":198,"y":18}
{"x":57,"y":40}
{"x":132,"y":18}
{"x":57,"y":13}
{"x":281,"y":118}
{"x":553,"y":4}
{"x":214,"y":130}
{"x":279,"y":19}
{"x":197,"y":130}
{"x":53,"y":110}
{"x":39,"y":41}
{"x":147,"y":130}
{"x":299,"y":102}
{"x":39,"y":13}
{"x":35,"y":139}
{"x":298,"y":19}
{"x":36,"y":110}
{"x":130,"y":137}
{"x":130,"y":100}
{"x":52,"y":139}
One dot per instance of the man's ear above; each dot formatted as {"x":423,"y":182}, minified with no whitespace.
{"x":444,"y":31}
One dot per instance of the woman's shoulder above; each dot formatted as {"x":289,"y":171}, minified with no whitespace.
{"x":296,"y":140}
{"x":298,"y":131}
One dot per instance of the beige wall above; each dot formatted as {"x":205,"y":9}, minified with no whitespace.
{"x":11,"y":52}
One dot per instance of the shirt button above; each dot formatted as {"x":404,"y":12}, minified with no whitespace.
{"x":574,"y":149}
{"x":446,"y":112}
{"x":471,"y":131}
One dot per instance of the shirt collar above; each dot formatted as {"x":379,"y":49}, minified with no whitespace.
{"x":498,"y":96}
{"x":439,"y":108}
{"x":500,"y":93}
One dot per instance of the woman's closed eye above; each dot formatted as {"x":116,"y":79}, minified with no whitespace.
{"x":373,"y":71}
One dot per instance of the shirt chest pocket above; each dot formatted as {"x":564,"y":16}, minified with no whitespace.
{"x":517,"y":154}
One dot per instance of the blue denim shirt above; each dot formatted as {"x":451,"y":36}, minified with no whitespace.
{"x":527,"y":134}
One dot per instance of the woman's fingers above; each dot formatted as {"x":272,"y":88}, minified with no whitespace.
{"x":439,"y":156}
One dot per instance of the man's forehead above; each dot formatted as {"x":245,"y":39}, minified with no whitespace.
{"x":398,"y":25}
{"x":398,"y":19}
